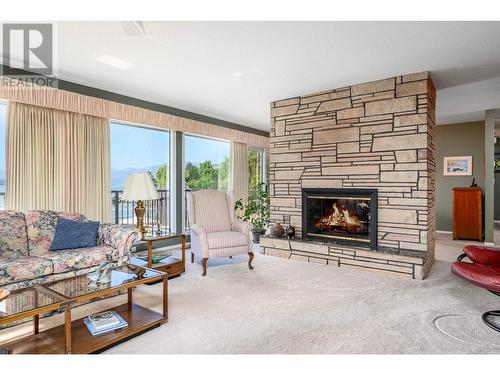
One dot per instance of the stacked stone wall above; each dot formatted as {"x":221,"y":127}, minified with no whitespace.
{"x":373,"y":135}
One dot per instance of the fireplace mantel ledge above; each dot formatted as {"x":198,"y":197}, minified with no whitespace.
{"x":412,"y":264}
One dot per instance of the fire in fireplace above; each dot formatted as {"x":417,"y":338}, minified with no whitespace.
{"x":340,"y":215}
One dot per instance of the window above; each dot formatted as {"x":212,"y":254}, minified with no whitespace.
{"x":3,"y":126}
{"x":257,"y":170}
{"x":207,"y":163}
{"x":139,"y":149}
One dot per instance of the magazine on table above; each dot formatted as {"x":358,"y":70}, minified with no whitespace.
{"x":104,"y":322}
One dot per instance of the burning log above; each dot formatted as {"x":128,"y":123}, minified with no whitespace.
{"x":342,"y":219}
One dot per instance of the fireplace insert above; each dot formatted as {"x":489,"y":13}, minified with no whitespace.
{"x":340,"y":215}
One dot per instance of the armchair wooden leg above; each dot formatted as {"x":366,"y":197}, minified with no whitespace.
{"x":204,"y":263}
{"x":250,"y":259}
{"x":192,"y":257}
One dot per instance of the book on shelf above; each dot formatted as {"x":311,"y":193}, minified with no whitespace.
{"x":104,"y":322}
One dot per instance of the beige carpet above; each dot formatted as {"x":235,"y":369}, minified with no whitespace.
{"x":287,"y":306}
{"x":448,"y":249}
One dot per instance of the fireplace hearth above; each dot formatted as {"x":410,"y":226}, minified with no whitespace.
{"x":340,"y":216}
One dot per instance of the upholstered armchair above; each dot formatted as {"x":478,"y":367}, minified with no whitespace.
{"x":215,"y":232}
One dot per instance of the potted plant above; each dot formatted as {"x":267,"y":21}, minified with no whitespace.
{"x":255,"y":211}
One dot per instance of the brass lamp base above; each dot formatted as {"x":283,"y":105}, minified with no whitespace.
{"x":139,"y":213}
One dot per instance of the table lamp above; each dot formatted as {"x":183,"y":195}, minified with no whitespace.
{"x":140,"y":187}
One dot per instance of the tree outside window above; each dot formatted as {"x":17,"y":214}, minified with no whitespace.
{"x":207,"y":164}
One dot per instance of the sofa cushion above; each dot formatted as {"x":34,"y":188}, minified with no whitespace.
{"x":13,"y":238}
{"x":41,"y":227}
{"x":76,"y":259}
{"x":23,"y":268}
{"x":218,"y":240}
{"x":71,"y":234}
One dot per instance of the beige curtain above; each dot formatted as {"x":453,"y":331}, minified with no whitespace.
{"x":58,"y":160}
{"x":238,"y":178}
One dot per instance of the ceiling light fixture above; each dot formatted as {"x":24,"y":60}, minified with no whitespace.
{"x":114,"y":61}
{"x":133,"y":28}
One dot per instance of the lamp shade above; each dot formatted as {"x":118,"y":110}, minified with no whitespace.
{"x":139,"y":186}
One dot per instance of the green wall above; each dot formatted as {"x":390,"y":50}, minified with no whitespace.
{"x":489,"y":173}
{"x":497,"y":185}
{"x":457,"y":140}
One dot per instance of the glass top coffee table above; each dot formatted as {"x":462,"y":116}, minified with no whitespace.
{"x":65,"y":294}
{"x":80,"y":288}
{"x":28,"y":303}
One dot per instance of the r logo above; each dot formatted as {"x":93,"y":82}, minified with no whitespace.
{"x":27,"y":46}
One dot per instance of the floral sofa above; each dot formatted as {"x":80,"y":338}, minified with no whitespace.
{"x":25,"y":238}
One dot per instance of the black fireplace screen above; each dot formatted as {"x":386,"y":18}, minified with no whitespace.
{"x":343,"y":215}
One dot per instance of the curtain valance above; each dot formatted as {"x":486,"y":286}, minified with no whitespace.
{"x":73,"y":102}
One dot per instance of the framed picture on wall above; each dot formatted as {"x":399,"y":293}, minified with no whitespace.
{"x":497,"y":162}
{"x":457,"y":166}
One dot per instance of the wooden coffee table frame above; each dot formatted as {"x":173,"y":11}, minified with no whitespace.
{"x":73,"y":336}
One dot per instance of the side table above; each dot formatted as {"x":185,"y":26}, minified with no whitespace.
{"x":173,"y":265}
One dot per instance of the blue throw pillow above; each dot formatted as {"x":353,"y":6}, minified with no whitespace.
{"x":72,"y":234}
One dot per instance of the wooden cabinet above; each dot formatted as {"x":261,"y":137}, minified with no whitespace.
{"x":467,"y":213}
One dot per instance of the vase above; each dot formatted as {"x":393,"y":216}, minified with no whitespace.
{"x":256,"y":233}
{"x":276,"y":230}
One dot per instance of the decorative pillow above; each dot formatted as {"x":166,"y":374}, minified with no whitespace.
{"x":41,"y":228}
{"x":72,"y":234}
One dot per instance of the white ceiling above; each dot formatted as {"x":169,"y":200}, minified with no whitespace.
{"x":233,"y":70}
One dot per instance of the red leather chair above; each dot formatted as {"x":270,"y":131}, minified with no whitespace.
{"x":483,"y":272}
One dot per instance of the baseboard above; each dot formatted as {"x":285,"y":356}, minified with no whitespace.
{"x":444,"y":231}
{"x":448,"y":232}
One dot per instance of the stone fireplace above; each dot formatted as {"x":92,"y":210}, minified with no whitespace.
{"x":345,"y":216}
{"x":376,"y":136}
